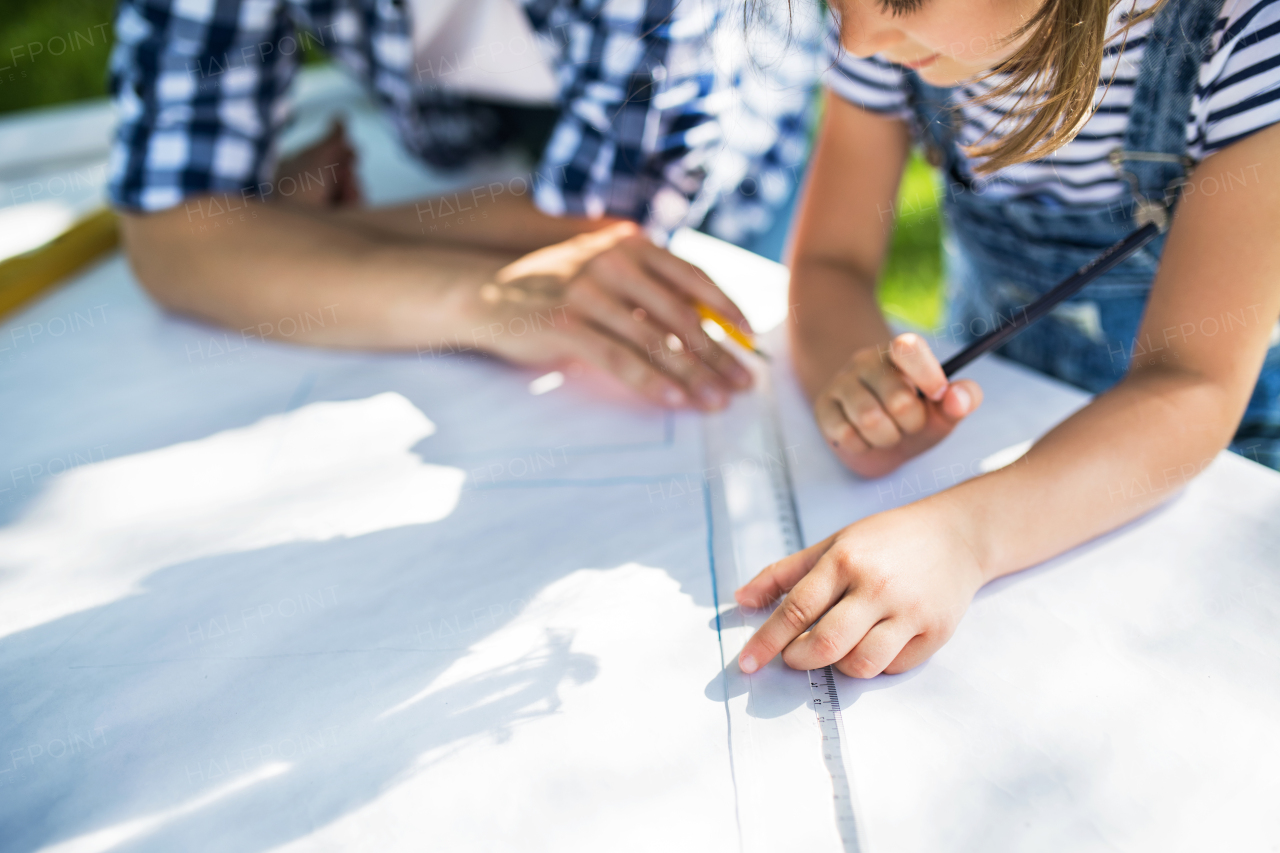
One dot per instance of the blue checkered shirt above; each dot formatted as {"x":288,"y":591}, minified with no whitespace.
{"x":649,"y":128}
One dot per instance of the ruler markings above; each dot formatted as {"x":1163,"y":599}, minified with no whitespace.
{"x":826,"y":708}
{"x":823,"y":691}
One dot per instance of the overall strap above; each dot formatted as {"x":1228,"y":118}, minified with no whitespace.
{"x":935,"y":120}
{"x":1154,"y":155}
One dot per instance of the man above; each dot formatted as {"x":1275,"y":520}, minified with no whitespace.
{"x":635,"y":128}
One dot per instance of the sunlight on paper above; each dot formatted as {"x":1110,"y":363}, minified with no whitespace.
{"x":122,"y":833}
{"x":546,"y":382}
{"x":326,"y":470}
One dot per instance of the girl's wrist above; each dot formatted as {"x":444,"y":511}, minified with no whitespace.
{"x":964,"y":518}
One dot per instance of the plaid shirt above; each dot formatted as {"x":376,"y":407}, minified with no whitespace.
{"x":201,"y":84}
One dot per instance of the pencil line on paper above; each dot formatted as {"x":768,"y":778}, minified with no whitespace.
{"x":724,"y":672}
{"x":260,"y":657}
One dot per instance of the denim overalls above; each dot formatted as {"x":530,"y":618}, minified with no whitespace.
{"x":1003,"y":253}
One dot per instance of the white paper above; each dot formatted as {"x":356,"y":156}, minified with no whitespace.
{"x":1120,"y":697}
{"x":260,"y":597}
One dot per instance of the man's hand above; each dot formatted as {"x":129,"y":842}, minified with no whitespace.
{"x":323,"y":175}
{"x":885,"y":592}
{"x":613,"y":299}
{"x":872,"y":416}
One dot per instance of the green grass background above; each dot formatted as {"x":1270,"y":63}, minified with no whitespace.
{"x":79,"y":73}
{"x":911,"y":283}
{"x":910,"y":287}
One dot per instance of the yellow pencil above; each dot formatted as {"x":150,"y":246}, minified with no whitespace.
{"x":709,"y":313}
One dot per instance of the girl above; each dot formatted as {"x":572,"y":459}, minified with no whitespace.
{"x":1060,"y":126}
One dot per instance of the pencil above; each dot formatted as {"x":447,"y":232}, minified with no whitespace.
{"x":709,"y":313}
{"x":1042,"y":306}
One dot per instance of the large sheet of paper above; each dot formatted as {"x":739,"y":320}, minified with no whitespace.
{"x":261,"y":597}
{"x":1123,"y":696}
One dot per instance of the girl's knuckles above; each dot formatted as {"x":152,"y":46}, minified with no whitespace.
{"x":868,"y":415}
{"x":867,"y":360}
{"x":794,"y":616}
{"x":827,"y":647}
{"x":902,"y":404}
{"x":857,"y":668}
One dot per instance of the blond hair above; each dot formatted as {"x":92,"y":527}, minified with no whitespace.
{"x":1052,"y":78}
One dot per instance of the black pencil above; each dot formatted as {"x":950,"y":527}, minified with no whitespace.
{"x":1037,"y":309}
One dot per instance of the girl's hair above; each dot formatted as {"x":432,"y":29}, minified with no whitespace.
{"x":1053,"y":78}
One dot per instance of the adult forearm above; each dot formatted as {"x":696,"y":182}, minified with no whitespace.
{"x":478,"y":217}
{"x":1127,"y":451}
{"x":833,"y":313}
{"x":274,"y":262}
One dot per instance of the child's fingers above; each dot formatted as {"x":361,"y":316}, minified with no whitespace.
{"x":807,"y":601}
{"x":777,"y":579}
{"x":836,"y":428}
{"x":961,"y":399}
{"x":873,"y":423}
{"x":832,"y":638}
{"x":877,"y":650}
{"x":914,"y":653}
{"x":896,"y":397}
{"x":911,"y":354}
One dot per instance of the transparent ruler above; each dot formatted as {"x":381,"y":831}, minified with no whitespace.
{"x":755,"y":522}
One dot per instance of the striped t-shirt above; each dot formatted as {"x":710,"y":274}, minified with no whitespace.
{"x":1238,"y":93}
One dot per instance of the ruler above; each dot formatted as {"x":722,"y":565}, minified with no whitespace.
{"x":756,"y":522}
{"x":26,"y":276}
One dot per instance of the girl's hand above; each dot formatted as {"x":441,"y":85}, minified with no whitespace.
{"x":892,"y":586}
{"x":873,"y":418}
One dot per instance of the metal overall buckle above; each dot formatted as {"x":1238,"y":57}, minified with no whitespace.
{"x":1155,"y":210}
